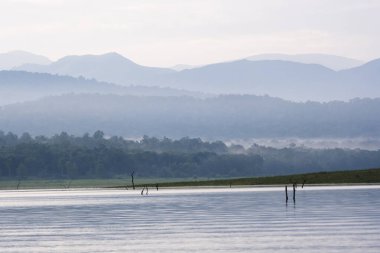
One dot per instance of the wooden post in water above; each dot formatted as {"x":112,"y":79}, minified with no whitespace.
{"x":157,"y":187}
{"x":303,"y":183}
{"x":147,"y":190}
{"x":133,"y":182}
{"x":286,"y":193}
{"x":142,"y":192}
{"x":67,"y":186}
{"x":19,"y":182}
{"x":294,"y":193}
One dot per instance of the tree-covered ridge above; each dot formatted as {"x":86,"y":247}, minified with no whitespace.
{"x":94,"y":156}
{"x":98,"y":140}
{"x":20,"y":86}
{"x":66,"y":156}
{"x":222,"y":117}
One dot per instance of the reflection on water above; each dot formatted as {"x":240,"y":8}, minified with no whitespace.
{"x":324,"y":219}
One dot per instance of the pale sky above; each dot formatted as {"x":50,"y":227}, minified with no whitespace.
{"x":169,"y":32}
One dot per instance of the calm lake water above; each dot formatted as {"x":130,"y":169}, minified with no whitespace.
{"x":324,"y":219}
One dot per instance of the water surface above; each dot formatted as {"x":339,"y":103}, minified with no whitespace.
{"x":323,"y":219}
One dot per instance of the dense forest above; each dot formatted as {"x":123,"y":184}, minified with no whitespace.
{"x":219,"y":118}
{"x":97,"y":156}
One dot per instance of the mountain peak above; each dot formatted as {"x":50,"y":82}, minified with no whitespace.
{"x":17,"y":58}
{"x":107,"y":58}
{"x":112,"y":54}
{"x":117,"y":56}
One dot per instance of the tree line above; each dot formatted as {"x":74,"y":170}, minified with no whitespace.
{"x":65,"y":156}
{"x":222,"y":117}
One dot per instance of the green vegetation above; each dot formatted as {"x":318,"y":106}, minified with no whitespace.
{"x":64,"y":157}
{"x":79,"y":183}
{"x":67,"y":157}
{"x":370,"y":176}
{"x":227,"y":117}
{"x":336,"y":177}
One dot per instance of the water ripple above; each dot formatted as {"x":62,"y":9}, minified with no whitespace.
{"x":330,"y":219}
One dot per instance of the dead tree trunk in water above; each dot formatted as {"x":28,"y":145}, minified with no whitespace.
{"x":18,"y":183}
{"x":157,"y":187}
{"x":294,"y":193}
{"x":133,"y":180}
{"x":303,"y":183}
{"x":68,"y":184}
{"x":142,"y":192}
{"x":286,"y":193}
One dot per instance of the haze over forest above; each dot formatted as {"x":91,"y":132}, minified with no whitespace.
{"x":189,"y":126}
{"x":297,"y":77}
{"x":49,"y":109}
{"x":264,"y":97}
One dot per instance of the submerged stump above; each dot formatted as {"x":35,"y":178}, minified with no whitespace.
{"x":286,"y":193}
{"x":133,"y":179}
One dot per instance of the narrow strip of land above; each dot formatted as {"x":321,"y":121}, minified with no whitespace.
{"x":368,"y":176}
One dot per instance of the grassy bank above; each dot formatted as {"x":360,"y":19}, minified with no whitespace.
{"x":79,"y":183}
{"x":337,"y":177}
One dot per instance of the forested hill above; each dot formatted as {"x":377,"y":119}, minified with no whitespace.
{"x":281,"y":78}
{"x":20,"y":86}
{"x":230,"y":116}
{"x":94,"y":156}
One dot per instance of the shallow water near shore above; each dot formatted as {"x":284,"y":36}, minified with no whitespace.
{"x":323,"y":219}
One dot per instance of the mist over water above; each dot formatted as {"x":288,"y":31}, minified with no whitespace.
{"x":258,"y":89}
{"x":315,"y":143}
{"x":324,"y":219}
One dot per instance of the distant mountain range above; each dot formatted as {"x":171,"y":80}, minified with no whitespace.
{"x":14,"y":59}
{"x":20,"y":86}
{"x":82,"y":94}
{"x":330,"y":61}
{"x":223,"y":117}
{"x":286,"y":79}
{"x":110,"y":67}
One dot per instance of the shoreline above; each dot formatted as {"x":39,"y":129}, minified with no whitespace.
{"x":189,"y":187}
{"x":340,"y":178}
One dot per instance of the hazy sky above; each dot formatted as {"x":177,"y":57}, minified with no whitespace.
{"x":167,"y":32}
